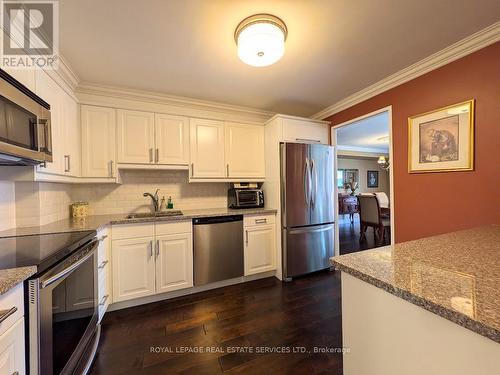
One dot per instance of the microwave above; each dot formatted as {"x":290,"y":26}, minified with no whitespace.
{"x":25,"y":134}
{"x":245,"y":198}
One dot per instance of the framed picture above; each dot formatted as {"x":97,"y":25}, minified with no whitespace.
{"x":442,"y":140}
{"x":351,"y":175}
{"x":372,"y":179}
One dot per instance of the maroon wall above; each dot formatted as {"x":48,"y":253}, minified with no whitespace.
{"x":433,"y":203}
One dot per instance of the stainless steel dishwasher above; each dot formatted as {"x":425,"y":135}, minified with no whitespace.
{"x":218,"y":248}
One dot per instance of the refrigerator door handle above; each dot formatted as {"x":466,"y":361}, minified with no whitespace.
{"x":314,"y":191}
{"x":307,"y":183}
{"x":320,"y":229}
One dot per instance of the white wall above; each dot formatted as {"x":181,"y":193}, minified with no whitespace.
{"x":127,"y":197}
{"x":364,"y":165}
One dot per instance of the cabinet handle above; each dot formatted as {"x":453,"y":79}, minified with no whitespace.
{"x":192,"y":169}
{"x":246,"y":237}
{"x":103,"y":264}
{"x":66,"y":163}
{"x":157,"y":155}
{"x":227,"y":170}
{"x":15,"y":373}
{"x":69,"y":163}
{"x":151,"y":248}
{"x":4,"y":314}
{"x":111,"y":163}
{"x":150,"y":155}
{"x":307,"y":140}
{"x":103,"y":300}
{"x":157,"y":248}
{"x":260,"y":221}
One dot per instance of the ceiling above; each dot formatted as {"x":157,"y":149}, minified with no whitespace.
{"x":186,"y":47}
{"x":370,"y":134}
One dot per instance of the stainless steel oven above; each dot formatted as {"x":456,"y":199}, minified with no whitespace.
{"x":63,"y":312}
{"x":25,"y":131}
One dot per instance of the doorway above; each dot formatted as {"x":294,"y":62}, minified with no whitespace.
{"x":364,"y":178}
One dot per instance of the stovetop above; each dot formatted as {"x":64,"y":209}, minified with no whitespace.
{"x":41,"y":251}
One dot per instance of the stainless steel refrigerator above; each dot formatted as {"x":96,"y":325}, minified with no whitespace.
{"x":307,"y":207}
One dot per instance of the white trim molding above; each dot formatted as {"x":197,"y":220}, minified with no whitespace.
{"x":119,"y":97}
{"x":464,"y":47}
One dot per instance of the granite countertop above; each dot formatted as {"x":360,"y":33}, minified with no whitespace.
{"x":96,"y":222}
{"x":454,"y":275}
{"x":13,"y":276}
{"x":10,"y":277}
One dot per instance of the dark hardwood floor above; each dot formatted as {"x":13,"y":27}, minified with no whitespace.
{"x":261,"y":316}
{"x":349,"y":236}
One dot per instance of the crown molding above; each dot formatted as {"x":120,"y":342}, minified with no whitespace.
{"x":464,"y":47}
{"x":89,"y":92}
{"x":67,"y":74}
{"x":280,"y":115}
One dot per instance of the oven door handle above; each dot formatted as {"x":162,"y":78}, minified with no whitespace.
{"x":69,"y":269}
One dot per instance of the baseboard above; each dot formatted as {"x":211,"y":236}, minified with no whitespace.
{"x":188,"y":291}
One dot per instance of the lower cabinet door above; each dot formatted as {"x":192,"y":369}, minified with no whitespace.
{"x":133,"y":268}
{"x":12,"y":349}
{"x":174,"y":262}
{"x":260,"y":249}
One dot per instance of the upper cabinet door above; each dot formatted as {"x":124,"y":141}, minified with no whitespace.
{"x":305,"y":131}
{"x":244,"y":150}
{"x":72,"y":137}
{"x":207,"y":148}
{"x":98,"y":141}
{"x":49,"y":91}
{"x":135,"y":137}
{"x":172,"y":139}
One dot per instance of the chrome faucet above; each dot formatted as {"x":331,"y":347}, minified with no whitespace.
{"x":154,"y":199}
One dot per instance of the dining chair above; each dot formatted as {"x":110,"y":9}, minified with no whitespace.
{"x":370,"y":216}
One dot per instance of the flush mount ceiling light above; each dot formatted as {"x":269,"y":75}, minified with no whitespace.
{"x":260,"y":39}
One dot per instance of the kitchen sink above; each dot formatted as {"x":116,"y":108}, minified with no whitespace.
{"x":146,"y":215}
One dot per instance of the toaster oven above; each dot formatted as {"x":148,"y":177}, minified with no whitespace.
{"x":245,"y":198}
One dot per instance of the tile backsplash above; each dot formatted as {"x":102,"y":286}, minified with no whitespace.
{"x":7,"y":205}
{"x":25,"y":204}
{"x":127,"y":197}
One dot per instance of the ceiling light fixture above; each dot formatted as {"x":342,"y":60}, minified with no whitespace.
{"x":260,"y":39}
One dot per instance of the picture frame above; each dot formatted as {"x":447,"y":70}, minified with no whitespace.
{"x":442,"y":140}
{"x":372,"y":179}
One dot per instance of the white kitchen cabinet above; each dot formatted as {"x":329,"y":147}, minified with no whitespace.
{"x":65,"y":128}
{"x":12,"y":349}
{"x":49,"y":91}
{"x":135,"y":137}
{"x":25,"y":76}
{"x":133,"y":268}
{"x":244,"y":150}
{"x":171,"y":139}
{"x":104,"y":287}
{"x":174,"y":262}
{"x":98,"y":141}
{"x":260,"y":245}
{"x":71,"y":136}
{"x":207,"y":148}
{"x":304,"y":131}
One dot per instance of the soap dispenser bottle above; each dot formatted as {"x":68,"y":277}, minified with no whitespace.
{"x":162,"y":204}
{"x":170,"y":204}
